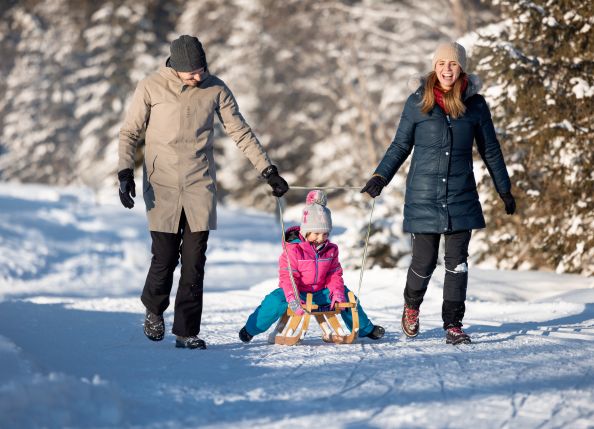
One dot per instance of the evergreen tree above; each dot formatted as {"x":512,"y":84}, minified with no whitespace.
{"x":538,"y":68}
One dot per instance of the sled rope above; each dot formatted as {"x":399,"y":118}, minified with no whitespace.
{"x":326,"y":187}
{"x":363,"y":259}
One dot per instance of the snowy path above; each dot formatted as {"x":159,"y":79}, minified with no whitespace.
{"x":72,"y":351}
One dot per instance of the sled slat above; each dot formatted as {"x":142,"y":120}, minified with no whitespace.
{"x":292,"y":328}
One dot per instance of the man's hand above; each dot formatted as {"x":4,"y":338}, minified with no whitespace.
{"x":509,"y":201}
{"x":374,"y":186}
{"x":127,"y":187}
{"x":278,"y":184}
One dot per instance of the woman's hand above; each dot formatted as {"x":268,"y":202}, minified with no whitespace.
{"x":374,"y":186}
{"x":509,"y":201}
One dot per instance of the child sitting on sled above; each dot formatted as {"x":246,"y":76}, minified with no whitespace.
{"x":316,"y":269}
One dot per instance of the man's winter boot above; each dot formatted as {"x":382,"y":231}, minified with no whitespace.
{"x":455,"y":335}
{"x":192,"y":342}
{"x":154,"y":326}
{"x":376,"y":333}
{"x":245,"y":336}
{"x":410,"y":321}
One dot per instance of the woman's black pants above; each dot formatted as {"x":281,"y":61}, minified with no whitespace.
{"x":424,"y":260}
{"x":167,"y":249}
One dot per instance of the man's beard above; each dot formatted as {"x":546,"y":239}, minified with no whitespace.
{"x":191,"y":82}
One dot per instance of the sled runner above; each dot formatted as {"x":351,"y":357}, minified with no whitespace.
{"x":291,"y":328}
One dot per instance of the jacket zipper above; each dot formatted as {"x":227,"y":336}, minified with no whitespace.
{"x":450,"y":147}
{"x":316,"y":276}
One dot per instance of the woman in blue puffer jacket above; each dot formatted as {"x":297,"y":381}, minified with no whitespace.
{"x":441,"y":121}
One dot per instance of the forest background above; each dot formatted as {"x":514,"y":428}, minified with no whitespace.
{"x":322,"y":83}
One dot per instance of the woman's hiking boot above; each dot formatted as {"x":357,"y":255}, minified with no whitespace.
{"x":245,"y":336}
{"x":192,"y":342}
{"x":376,"y":333}
{"x":154,"y":326}
{"x":455,"y":335}
{"x":410,"y":321}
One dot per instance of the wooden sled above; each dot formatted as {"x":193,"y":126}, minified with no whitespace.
{"x":291,"y":328}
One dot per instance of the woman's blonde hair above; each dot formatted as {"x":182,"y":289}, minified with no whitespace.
{"x":452,"y":99}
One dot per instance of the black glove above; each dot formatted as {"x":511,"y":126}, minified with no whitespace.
{"x":510,"y":202}
{"x":127,"y":187}
{"x":374,"y":186}
{"x":278,"y":184}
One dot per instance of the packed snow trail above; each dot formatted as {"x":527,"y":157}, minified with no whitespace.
{"x":72,"y":351}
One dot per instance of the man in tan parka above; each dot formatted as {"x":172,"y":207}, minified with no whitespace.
{"x":176,"y":107}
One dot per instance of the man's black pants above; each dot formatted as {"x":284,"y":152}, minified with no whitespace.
{"x":166,"y":249}
{"x":424,"y":260}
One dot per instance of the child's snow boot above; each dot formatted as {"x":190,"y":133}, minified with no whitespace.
{"x":376,"y":333}
{"x":154,"y":326}
{"x":410,"y":321}
{"x":455,"y":335}
{"x":245,"y":336}
{"x":192,"y":342}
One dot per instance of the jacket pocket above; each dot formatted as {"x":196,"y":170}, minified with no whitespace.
{"x":149,"y":174}
{"x":203,"y":163}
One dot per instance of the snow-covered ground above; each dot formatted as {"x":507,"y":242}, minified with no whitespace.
{"x":72,"y":352}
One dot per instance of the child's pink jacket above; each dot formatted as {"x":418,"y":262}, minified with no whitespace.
{"x":313,"y":270}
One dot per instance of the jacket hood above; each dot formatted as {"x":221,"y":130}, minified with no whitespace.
{"x":169,"y":74}
{"x":293,"y":234}
{"x":417,"y":84}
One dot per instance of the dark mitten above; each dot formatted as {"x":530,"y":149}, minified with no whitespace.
{"x":374,"y":186}
{"x":509,"y":201}
{"x":127,"y":187}
{"x":278,"y":184}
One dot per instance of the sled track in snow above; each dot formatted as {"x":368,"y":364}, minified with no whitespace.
{"x":563,"y":333}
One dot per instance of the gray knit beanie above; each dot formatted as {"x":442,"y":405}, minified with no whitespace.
{"x":316,"y":216}
{"x":187,"y":54}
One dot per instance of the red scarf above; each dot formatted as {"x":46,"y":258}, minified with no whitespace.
{"x":439,"y":94}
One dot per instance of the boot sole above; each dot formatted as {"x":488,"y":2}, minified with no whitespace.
{"x":153,"y":337}
{"x":180,"y":345}
{"x":462,"y":341}
{"x":406,"y":333}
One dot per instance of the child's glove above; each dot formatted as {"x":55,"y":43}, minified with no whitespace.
{"x":295,"y":305}
{"x":337,"y":298}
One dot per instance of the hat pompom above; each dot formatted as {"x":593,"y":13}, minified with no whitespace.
{"x":316,"y":196}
